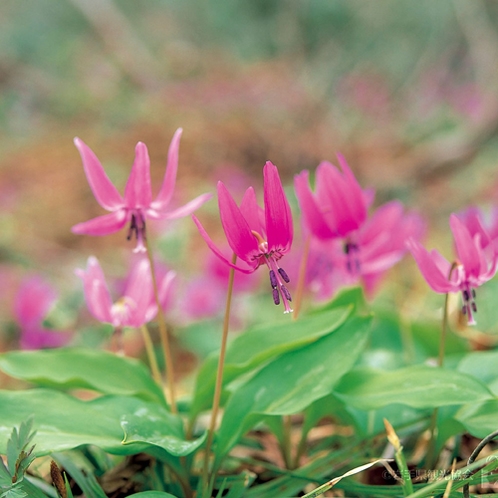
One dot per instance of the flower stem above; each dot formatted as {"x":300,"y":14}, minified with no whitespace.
{"x":431,"y":449}
{"x":219,"y":378}
{"x":156,"y":374}
{"x":301,"y":278}
{"x":163,"y":331}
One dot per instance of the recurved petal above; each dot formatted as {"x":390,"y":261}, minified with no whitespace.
{"x":168,"y":186}
{"x":139,"y":291}
{"x":97,"y":295}
{"x":138,"y":188}
{"x":104,"y":191}
{"x":254,"y":214}
{"x":359,"y":206}
{"x":466,"y":249}
{"x":432,"y":266}
{"x":278,"y":215}
{"x":219,"y":253}
{"x":237,"y":230}
{"x":102,"y":225}
{"x":156,"y":213}
{"x":313,"y":217}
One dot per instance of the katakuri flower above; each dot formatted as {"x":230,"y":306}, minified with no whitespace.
{"x":257,"y":236}
{"x":473,"y":267}
{"x":338,"y":207}
{"x":379,"y":245}
{"x":33,"y":301}
{"x":135,"y":307}
{"x":137,"y":205}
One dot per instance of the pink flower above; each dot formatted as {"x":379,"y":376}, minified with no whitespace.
{"x":339,"y":205}
{"x":473,"y":267}
{"x":33,"y":301}
{"x":255,"y":235}
{"x":347,"y":245}
{"x":136,"y":306}
{"x":379,"y":245}
{"x":137,"y":205}
{"x":205,"y":294}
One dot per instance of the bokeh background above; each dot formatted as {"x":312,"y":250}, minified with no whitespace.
{"x":407,"y":91}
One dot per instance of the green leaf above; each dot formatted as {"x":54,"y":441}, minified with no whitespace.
{"x":83,"y":476}
{"x":63,"y":422}
{"x":482,"y":365}
{"x":152,"y":494}
{"x":19,"y":455}
{"x":479,"y":419}
{"x":293,"y":381}
{"x":418,"y":386}
{"x":16,"y":492}
{"x":78,"y":368}
{"x":255,"y":346}
{"x":140,"y":429}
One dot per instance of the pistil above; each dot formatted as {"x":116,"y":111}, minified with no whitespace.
{"x":277,"y":274}
{"x":352,"y":257}
{"x":137,"y":227}
{"x":469,"y":306}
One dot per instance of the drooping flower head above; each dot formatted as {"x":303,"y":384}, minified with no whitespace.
{"x":137,"y":205}
{"x":32,"y":303}
{"x":380,"y":244}
{"x":473,"y":267}
{"x":348,"y":245}
{"x":257,"y":236}
{"x":135,"y":307}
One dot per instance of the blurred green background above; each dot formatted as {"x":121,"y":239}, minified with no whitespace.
{"x":407,"y":91}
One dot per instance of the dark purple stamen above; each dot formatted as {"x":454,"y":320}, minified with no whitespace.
{"x":284,"y":275}
{"x":137,"y":227}
{"x":466,"y":295}
{"x":273,"y":279}
{"x":474,"y":293}
{"x":474,"y":307}
{"x":286,"y":293}
{"x":276,"y":297}
{"x":464,"y":309}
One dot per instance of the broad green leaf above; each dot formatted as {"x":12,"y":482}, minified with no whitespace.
{"x":73,"y":368}
{"x":348,"y":296}
{"x":418,"y":386}
{"x":479,"y":419}
{"x":138,"y":429}
{"x":482,"y":365}
{"x":63,"y":422}
{"x":257,"y":345}
{"x":293,"y":381}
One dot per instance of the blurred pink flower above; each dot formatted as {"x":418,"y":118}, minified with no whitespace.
{"x":339,"y":205}
{"x":379,"y":245}
{"x":136,"y":306}
{"x":33,"y":301}
{"x":475,"y":221}
{"x":473,"y":267}
{"x":255,"y":235}
{"x":205,"y":295}
{"x":346,"y":244}
{"x":137,"y":205}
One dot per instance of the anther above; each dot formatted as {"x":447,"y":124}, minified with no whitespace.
{"x":273,"y":280}
{"x":285,"y":292}
{"x":133,"y":227}
{"x":474,"y":307}
{"x":464,"y":310}
{"x":276,"y":297}
{"x":474,"y":293}
{"x":284,"y":275}
{"x":466,"y":295}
